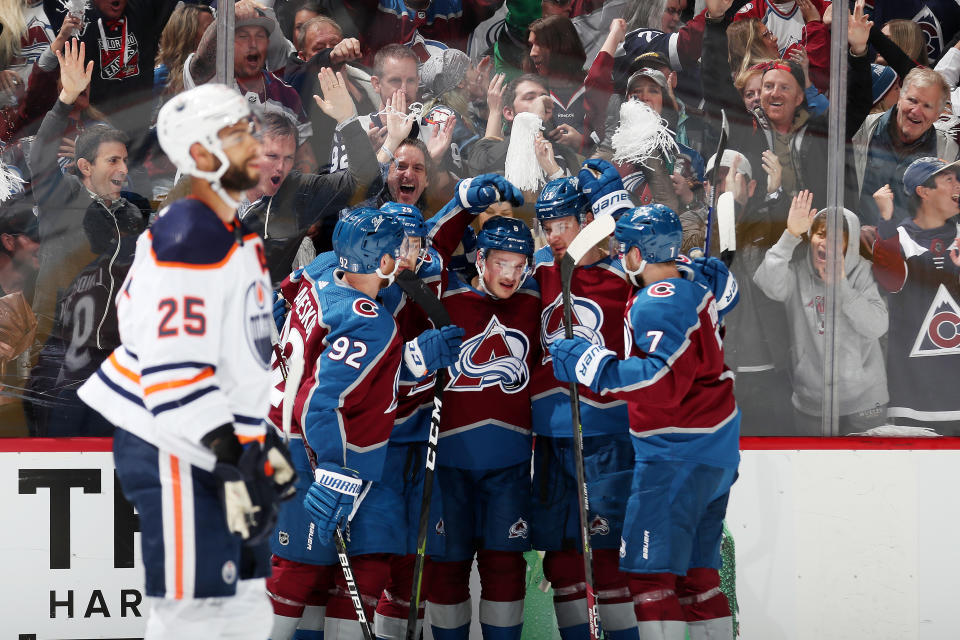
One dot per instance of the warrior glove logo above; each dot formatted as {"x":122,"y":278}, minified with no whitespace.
{"x":498,"y":356}
{"x":586,"y":316}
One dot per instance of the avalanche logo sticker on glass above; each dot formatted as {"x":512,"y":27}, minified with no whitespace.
{"x":258,"y":317}
{"x":496,"y":357}
{"x":586,"y":316}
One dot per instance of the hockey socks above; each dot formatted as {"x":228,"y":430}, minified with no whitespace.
{"x":564,"y":569}
{"x":655,"y":602}
{"x":704,"y":605}
{"x":390,"y":621}
{"x":370,"y":572}
{"x":298,"y":593}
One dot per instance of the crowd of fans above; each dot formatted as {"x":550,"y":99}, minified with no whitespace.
{"x":436,"y":90}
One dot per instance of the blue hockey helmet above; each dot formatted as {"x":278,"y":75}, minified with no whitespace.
{"x":506,"y":234}
{"x":363,"y":236}
{"x":654,"y":229}
{"x":410,"y":216}
{"x":561,"y":198}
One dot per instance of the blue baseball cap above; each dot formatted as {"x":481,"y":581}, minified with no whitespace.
{"x":882,"y":78}
{"x":922,"y":169}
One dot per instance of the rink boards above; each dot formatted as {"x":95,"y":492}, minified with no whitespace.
{"x":835,"y":538}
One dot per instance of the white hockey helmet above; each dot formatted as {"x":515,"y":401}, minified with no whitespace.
{"x":198,"y":115}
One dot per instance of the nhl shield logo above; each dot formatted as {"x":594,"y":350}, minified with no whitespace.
{"x":283,"y":538}
{"x":258,"y":315}
{"x":599,"y":526}
{"x":519,"y":529}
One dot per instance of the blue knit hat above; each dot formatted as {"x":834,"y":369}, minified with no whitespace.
{"x":882,"y":78}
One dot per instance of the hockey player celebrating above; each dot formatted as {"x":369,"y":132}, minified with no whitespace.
{"x":685,"y":426}
{"x":188,"y":388}
{"x":599,"y":294}
{"x":484,"y":456}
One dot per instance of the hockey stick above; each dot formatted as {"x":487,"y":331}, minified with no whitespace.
{"x":292,"y":376}
{"x":717,"y":159}
{"x":727,"y":227}
{"x":589,"y":236}
{"x":419,"y":293}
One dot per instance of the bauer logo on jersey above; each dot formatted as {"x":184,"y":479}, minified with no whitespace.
{"x":939,"y":335}
{"x":259,"y":316}
{"x":585,"y":315}
{"x":498,"y":356}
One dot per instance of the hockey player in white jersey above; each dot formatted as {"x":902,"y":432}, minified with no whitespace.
{"x":189,"y":387}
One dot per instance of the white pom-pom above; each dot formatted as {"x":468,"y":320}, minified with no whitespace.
{"x":10,"y":182}
{"x":75,"y":7}
{"x":642,"y":134}
{"x":522,"y":167}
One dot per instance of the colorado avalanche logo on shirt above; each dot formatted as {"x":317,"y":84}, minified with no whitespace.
{"x":257,"y":319}
{"x":585,"y":315}
{"x":498,"y":356}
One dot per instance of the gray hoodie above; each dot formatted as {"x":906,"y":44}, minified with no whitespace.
{"x":787,"y":275}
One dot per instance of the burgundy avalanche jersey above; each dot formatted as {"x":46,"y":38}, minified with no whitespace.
{"x":346,"y":402}
{"x":679,"y":392}
{"x":485,"y":422}
{"x":599,"y":295}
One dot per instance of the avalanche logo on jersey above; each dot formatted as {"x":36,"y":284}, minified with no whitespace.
{"x":585,"y":315}
{"x":932,"y":32}
{"x":498,"y":356}
{"x":259,"y":316}
{"x":939,"y":334}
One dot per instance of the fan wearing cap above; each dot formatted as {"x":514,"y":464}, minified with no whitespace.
{"x":251,"y":47}
{"x":917,"y":261}
{"x":782,"y":124}
{"x":672,"y":174}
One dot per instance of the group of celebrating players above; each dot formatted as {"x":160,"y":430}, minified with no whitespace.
{"x":291,"y":472}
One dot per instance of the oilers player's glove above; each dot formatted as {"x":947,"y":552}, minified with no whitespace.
{"x":713,"y":273}
{"x":579,"y":360}
{"x":246,"y":493}
{"x":330,"y":498}
{"x":279,"y":465}
{"x":605,"y":190}
{"x":476,"y":194}
{"x":433,"y":349}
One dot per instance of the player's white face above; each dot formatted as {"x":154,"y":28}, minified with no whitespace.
{"x":503,"y":271}
{"x":411,"y":253}
{"x":559,"y":233}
